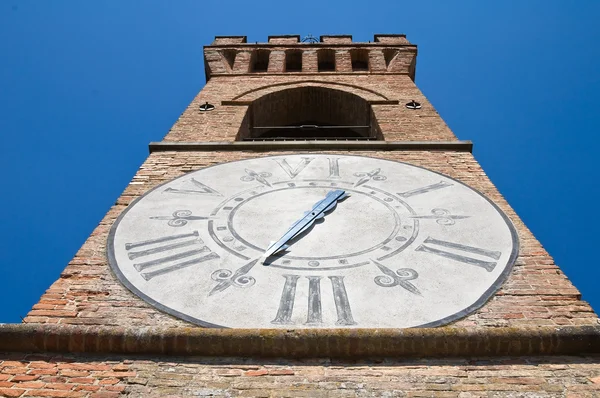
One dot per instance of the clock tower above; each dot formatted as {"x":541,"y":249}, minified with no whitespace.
{"x":309,"y":226}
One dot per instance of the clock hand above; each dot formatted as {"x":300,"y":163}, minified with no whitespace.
{"x":318,"y":211}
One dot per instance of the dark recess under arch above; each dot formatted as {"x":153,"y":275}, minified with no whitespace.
{"x":309,"y":113}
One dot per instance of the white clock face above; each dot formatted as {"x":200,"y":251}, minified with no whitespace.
{"x":407,"y":247}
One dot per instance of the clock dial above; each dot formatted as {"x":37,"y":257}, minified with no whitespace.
{"x":407,"y":247}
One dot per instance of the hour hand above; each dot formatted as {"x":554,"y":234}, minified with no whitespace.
{"x":318,"y":211}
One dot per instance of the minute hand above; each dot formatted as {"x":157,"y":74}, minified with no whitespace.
{"x":317,"y":212}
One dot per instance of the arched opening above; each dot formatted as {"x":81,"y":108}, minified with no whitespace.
{"x":309,"y":113}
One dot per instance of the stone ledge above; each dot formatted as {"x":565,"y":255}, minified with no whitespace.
{"x":249,"y":102}
{"x":302,"y":343}
{"x":459,"y":146}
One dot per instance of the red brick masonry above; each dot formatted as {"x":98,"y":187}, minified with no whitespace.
{"x":51,"y":375}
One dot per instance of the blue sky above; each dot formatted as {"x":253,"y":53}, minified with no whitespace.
{"x":85,"y":86}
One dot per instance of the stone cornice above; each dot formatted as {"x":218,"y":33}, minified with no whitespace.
{"x":454,"y":146}
{"x":302,"y":343}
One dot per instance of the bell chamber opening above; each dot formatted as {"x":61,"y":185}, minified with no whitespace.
{"x":309,"y":113}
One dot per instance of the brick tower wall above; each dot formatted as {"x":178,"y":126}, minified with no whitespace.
{"x":537,"y":292}
{"x":87,"y":294}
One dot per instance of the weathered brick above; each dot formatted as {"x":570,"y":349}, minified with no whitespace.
{"x":30,"y":384}
{"x":60,"y":386}
{"x":105,"y":394}
{"x":229,"y":373}
{"x":281,"y":372}
{"x":11,"y":364}
{"x":87,"y":387}
{"x":44,"y":392}
{"x":84,"y":366}
{"x":82,"y":380}
{"x":49,"y":371}
{"x":25,"y":378}
{"x":11,"y":392}
{"x":108,"y":381}
{"x":53,"y":313}
{"x":115,"y":374}
{"x":41,"y":365}
{"x":261,"y":372}
{"x":115,"y":388}
{"x":74,"y":373}
{"x":14,"y":371}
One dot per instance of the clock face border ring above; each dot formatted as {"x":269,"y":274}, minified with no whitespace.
{"x":493,"y":288}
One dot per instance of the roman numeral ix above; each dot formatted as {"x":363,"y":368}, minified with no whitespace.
{"x":168,"y":254}
{"x":314,"y":315}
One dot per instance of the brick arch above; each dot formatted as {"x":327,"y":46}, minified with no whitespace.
{"x":365,"y":93}
{"x":289,"y":113}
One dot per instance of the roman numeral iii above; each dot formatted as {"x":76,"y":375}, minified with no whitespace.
{"x":461,"y":253}
{"x":314,"y":315}
{"x":183,"y":252}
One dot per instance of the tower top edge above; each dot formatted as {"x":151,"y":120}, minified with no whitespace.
{"x":380,"y":38}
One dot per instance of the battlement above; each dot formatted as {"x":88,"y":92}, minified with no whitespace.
{"x":389,"y":39}
{"x":334,"y":54}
